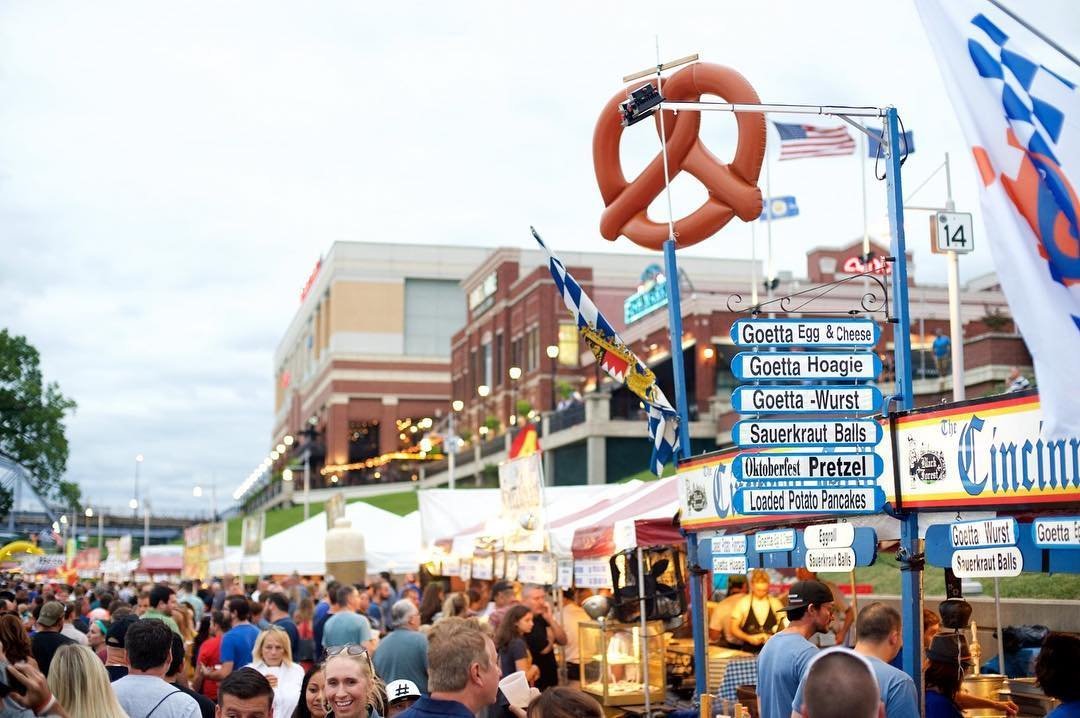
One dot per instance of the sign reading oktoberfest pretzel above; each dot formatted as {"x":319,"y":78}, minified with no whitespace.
{"x":732,"y":188}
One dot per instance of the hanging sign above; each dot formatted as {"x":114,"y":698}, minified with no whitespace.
{"x":1056,"y":532}
{"x":809,"y":500}
{"x":805,"y":332}
{"x":999,"y":562}
{"x":838,"y":535}
{"x":592,"y":573}
{"x":806,"y":466}
{"x":830,"y":559}
{"x":538,"y":568}
{"x":813,"y":399}
{"x":729,"y":564}
{"x":565,"y":573}
{"x":481,"y":568}
{"x":749,"y":366}
{"x":990,"y":532}
{"x":777,"y":432}
{"x":779,"y":540}
{"x":465,"y":569}
{"x":729,"y":545}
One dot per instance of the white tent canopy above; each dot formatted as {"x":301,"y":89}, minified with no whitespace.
{"x":391,"y":542}
{"x":463,"y":515}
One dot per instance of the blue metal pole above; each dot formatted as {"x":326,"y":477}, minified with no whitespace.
{"x":697,"y":602}
{"x":910,"y":581}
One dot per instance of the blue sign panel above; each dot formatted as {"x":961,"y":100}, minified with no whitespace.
{"x":645,"y":302}
{"x":797,"y":434}
{"x":864,"y":546}
{"x":939,"y":551}
{"x":808,"y":399}
{"x":779,"y":540}
{"x":805,"y":333}
{"x":803,"y":467}
{"x":803,"y":366}
{"x":809,"y":500}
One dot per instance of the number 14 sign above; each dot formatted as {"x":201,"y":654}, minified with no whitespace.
{"x":951,"y":232}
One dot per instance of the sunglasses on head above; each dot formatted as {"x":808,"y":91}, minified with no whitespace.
{"x":349,"y":649}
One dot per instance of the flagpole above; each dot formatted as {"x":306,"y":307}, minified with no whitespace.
{"x":697,"y":614}
{"x":769,"y":272}
{"x":861,"y":153}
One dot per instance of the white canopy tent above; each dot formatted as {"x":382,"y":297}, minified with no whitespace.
{"x":391,"y":542}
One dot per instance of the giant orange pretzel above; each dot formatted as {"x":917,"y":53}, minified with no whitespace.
{"x":732,"y":187}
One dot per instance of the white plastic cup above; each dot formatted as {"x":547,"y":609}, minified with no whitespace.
{"x":516,"y":689}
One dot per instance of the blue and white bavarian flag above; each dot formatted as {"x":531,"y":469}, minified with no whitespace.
{"x":779,"y":208}
{"x":619,"y":362}
{"x":1017,"y":101}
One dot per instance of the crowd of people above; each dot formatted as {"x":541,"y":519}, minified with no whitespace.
{"x":297,"y":647}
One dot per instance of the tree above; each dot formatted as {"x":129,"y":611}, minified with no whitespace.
{"x":32,"y":420}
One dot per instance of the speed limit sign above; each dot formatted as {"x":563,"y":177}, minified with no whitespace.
{"x":951,"y":232}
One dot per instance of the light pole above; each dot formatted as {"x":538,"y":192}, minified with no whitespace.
{"x":452,"y":441}
{"x":515,"y":374}
{"x":134,"y":503}
{"x":146,"y":522}
{"x":553,"y":354}
{"x":100,"y":531}
{"x":483,"y":390}
{"x":197,"y":492}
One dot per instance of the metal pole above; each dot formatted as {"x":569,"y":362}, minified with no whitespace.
{"x":911,"y":580}
{"x":1000,"y":628}
{"x":862,"y":177}
{"x":146,"y":523}
{"x":956,"y":328}
{"x":307,"y":481}
{"x":451,"y":457}
{"x":101,"y":530}
{"x":753,"y":264}
{"x":770,"y":273}
{"x":644,"y":631}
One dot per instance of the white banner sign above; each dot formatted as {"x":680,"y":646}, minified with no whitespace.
{"x":566,"y":573}
{"x":1001,"y":562}
{"x":782,"y":540}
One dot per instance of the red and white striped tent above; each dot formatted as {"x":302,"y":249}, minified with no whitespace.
{"x":644,"y":517}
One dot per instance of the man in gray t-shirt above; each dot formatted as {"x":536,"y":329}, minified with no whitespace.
{"x":143,"y":690}
{"x":403,"y":653}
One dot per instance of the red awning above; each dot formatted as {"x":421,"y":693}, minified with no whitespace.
{"x":651,"y":509}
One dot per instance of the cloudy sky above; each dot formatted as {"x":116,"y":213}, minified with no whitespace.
{"x":170,"y":173}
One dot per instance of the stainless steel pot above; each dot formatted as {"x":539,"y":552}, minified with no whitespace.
{"x":989,"y":686}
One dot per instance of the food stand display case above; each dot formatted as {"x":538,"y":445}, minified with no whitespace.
{"x":613,"y":661}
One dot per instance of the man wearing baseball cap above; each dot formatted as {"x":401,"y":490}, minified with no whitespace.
{"x":400,"y":695}
{"x":116,"y":657}
{"x":48,"y":638}
{"x":785,"y":657}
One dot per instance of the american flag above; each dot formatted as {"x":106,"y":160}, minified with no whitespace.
{"x":663,"y":420}
{"x":799,"y":141}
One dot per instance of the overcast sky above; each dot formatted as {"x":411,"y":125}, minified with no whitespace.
{"x":170,"y":173}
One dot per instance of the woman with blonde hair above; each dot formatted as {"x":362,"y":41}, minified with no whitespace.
{"x":456,"y":605}
{"x":272,"y":657}
{"x":78,"y":680}
{"x":352,"y":689}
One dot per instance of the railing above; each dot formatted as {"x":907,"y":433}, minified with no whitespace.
{"x":565,"y":418}
{"x":492,"y":446}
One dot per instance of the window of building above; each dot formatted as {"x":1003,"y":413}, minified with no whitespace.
{"x":516,"y":359}
{"x":486,"y":366}
{"x":568,"y":344}
{"x":434,"y":310}
{"x":500,"y":375}
{"x":474,"y":373}
{"x":725,"y":380}
{"x":363,"y":440}
{"x":532,"y":354}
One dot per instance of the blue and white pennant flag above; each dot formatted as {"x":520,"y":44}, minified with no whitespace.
{"x":1020,"y":113}
{"x":618,"y":362}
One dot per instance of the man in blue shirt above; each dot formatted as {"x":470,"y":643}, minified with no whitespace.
{"x":942,"y":346}
{"x":784,"y":658}
{"x":463,"y":673}
{"x":238,"y":641}
{"x":347,"y":626}
{"x":840,"y":684}
{"x":878,"y":639}
{"x":277,"y":611}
